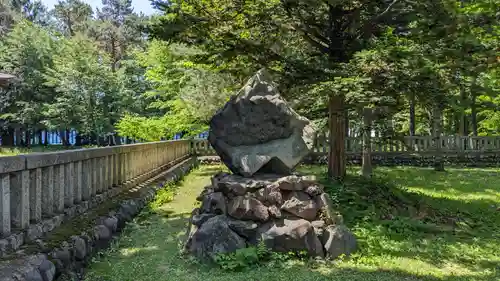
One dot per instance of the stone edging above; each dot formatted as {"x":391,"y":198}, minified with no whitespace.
{"x":12,"y":243}
{"x":73,"y":255}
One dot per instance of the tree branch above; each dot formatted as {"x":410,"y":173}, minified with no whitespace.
{"x":388,"y":9}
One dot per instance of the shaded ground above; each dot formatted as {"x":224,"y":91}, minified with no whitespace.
{"x":425,"y":226}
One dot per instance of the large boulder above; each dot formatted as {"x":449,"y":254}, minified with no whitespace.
{"x":287,"y":235}
{"x":215,"y":236}
{"x":301,"y":205}
{"x":248,"y":208}
{"x":256,"y":131}
{"x":338,"y":240}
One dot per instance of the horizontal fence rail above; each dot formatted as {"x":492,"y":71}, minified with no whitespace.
{"x":405,"y":145}
{"x":41,"y":185}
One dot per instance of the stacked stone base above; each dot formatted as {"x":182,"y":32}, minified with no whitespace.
{"x":288,"y":214}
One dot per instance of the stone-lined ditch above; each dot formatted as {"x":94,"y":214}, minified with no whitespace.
{"x":64,"y":253}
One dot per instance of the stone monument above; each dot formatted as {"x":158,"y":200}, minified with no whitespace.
{"x":261,"y":140}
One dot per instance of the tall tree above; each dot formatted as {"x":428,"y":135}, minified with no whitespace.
{"x":73,"y":16}
{"x":327,"y":35}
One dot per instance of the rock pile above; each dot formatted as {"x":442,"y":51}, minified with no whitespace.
{"x":287,"y":213}
{"x":261,"y":140}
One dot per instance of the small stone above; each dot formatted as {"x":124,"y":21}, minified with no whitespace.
{"x":248,"y":208}
{"x":79,"y":247}
{"x":198,"y":220}
{"x":289,"y":183}
{"x":338,"y":240}
{"x":69,"y":213}
{"x":58,"y":220}
{"x":34,"y":232}
{"x":41,"y":245}
{"x":318,"y":227}
{"x":214,"y":203}
{"x":246,"y":229}
{"x":301,"y":205}
{"x":47,"y":270}
{"x":62,"y":255}
{"x":48,"y":225}
{"x":326,"y":205}
{"x":314,"y":190}
{"x":274,"y":211}
{"x":102,"y":232}
{"x":33,"y":275}
{"x":15,"y":241}
{"x":111,"y":223}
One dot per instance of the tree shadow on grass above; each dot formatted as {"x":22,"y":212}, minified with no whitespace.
{"x":432,"y":226}
{"x":149,"y":250}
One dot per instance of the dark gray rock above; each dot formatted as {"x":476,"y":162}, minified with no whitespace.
{"x":214,"y":237}
{"x":63,"y":255}
{"x":256,"y":131}
{"x":338,"y":240}
{"x":33,"y":275}
{"x":288,"y":183}
{"x":4,"y":247}
{"x":246,"y":229}
{"x":270,"y":195}
{"x":248,"y":208}
{"x":291,"y":235}
{"x":111,"y":223}
{"x":318,"y":227}
{"x":79,"y":247}
{"x":34,"y":232}
{"x":15,"y":241}
{"x":102,"y":232}
{"x":214,"y":203}
{"x":48,"y":225}
{"x":330,"y":216}
{"x":198,"y":220}
{"x":301,"y":205}
{"x":47,"y":270}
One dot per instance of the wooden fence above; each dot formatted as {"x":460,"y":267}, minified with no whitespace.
{"x":406,"y":145}
{"x":36,"y":187}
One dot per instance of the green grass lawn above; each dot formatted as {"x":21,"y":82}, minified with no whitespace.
{"x":411,"y":223}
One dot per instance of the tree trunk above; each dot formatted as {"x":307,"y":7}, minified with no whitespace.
{"x":46,"y":135}
{"x":366,"y":164}
{"x":19,"y":139}
{"x":463,"y":117}
{"x":62,"y":135}
{"x":78,"y":139}
{"x":8,"y":137}
{"x":336,"y":159}
{"x":27,"y":138}
{"x":437,"y":124}
{"x":40,"y":137}
{"x":412,"y":115}
{"x":67,"y":137}
{"x":473,"y":115}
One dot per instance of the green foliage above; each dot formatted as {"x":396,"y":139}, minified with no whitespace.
{"x":452,"y":236}
{"x":164,"y":195}
{"x":260,"y":255}
{"x":142,"y":128}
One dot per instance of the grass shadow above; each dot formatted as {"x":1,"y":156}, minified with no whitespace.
{"x":410,"y":213}
{"x":402,"y":234}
